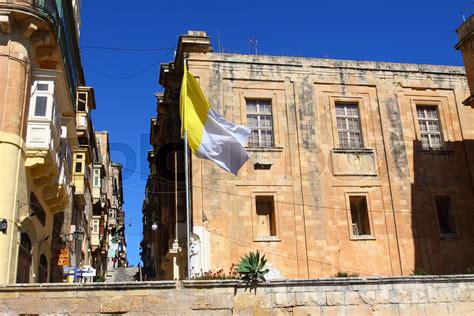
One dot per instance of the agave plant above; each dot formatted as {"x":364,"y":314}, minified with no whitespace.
{"x":251,"y":267}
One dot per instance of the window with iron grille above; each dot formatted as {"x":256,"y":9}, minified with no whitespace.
{"x":348,"y":126}
{"x":430,"y":129}
{"x":260,"y":121}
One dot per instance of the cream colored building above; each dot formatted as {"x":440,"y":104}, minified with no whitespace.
{"x":356,"y":166}
{"x":48,"y":150}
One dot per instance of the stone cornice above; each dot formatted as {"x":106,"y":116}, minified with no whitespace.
{"x":302,"y":62}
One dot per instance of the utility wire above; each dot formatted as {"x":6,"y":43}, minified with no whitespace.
{"x":276,"y":201}
{"x":127,"y":49}
{"x":130,"y":76}
{"x":250,"y":246}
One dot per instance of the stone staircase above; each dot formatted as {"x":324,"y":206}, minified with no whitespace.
{"x":121,"y":274}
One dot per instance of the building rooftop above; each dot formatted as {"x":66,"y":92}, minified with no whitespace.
{"x":305,"y":62}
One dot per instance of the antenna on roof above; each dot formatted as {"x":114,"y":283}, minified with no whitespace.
{"x":219,"y":48}
{"x":253,"y":42}
{"x":466,"y":9}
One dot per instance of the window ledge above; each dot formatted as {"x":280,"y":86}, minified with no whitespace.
{"x":449,"y":236}
{"x":366,"y":237}
{"x":362,"y":151}
{"x":267,"y":239}
{"x":264,"y":149}
{"x":437,"y":152}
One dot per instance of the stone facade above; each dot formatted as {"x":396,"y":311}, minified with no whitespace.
{"x":465,"y":45}
{"x":416,"y":195}
{"x":347,"y":296}
{"x":48,"y":149}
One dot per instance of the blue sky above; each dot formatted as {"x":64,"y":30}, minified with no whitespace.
{"x":413,"y":31}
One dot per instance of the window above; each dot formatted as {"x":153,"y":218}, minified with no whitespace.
{"x":114,"y":186}
{"x":265,"y":207}
{"x":24,"y":259}
{"x":36,"y":209}
{"x":81,"y":101}
{"x":260,"y":121}
{"x":95,"y":226}
{"x":43,"y":270}
{"x":42,"y":87}
{"x":430,"y":130}
{"x":447,"y":225}
{"x":359,"y":216}
{"x":97,"y":178}
{"x":348,"y":126}
{"x":41,"y":105}
{"x":79,"y":166}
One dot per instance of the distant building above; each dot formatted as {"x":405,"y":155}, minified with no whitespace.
{"x":466,"y":46}
{"x":355,"y":166}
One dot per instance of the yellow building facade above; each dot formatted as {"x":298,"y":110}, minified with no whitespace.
{"x":48,"y":149}
{"x":37,"y":108}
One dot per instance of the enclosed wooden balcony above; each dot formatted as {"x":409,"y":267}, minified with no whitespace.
{"x":48,"y":154}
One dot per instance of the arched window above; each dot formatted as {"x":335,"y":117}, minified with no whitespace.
{"x":43,"y":270}
{"x":24,"y":259}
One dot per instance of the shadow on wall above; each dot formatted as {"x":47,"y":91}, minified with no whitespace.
{"x":442,"y":208}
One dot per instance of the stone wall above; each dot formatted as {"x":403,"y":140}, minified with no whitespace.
{"x":312,"y":178}
{"x":419,"y":295}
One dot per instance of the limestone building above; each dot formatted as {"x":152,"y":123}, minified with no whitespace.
{"x":465,"y":45}
{"x":48,"y":148}
{"x":355,"y":166}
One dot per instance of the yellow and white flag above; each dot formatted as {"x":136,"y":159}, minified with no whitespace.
{"x":210,"y":136}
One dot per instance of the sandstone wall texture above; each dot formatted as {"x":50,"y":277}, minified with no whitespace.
{"x":420,"y":295}
{"x":312,"y":178}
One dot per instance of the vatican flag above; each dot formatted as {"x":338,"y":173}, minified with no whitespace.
{"x":210,"y":136}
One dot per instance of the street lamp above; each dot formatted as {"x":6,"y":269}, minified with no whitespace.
{"x":154,"y":227}
{"x":78,"y":234}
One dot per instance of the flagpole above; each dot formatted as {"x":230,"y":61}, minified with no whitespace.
{"x":188,"y":215}
{"x":186,"y":182}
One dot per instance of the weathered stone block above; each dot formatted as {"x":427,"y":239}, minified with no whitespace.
{"x":419,"y":296}
{"x":461,"y":308}
{"x":224,"y":312}
{"x":285,"y":299}
{"x":333,"y":298}
{"x":385,"y":310}
{"x":383,"y":296}
{"x":211,"y":302}
{"x":333,"y":310}
{"x":436,"y":309}
{"x":351,"y":298}
{"x":306,"y":310}
{"x":412,"y":309}
{"x":368,"y":297}
{"x":248,"y":300}
{"x":358,"y":310}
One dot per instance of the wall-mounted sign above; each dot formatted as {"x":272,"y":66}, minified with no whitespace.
{"x":3,"y":225}
{"x":63,"y":258}
{"x":87,"y":272}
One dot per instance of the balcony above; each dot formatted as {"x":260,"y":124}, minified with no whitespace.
{"x":47,"y":151}
{"x":81,"y":177}
{"x":48,"y":16}
{"x":95,"y":235}
{"x":154,"y":131}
